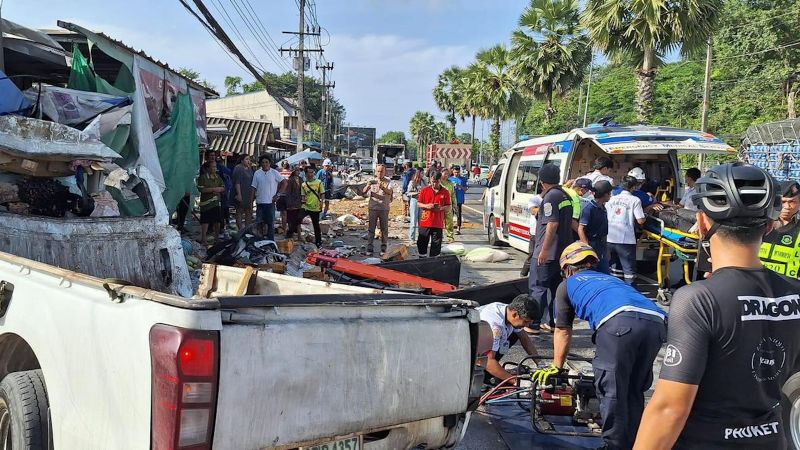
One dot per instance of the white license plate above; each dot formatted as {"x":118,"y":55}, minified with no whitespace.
{"x":353,"y":443}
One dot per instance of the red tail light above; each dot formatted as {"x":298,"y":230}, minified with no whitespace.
{"x":184,"y":383}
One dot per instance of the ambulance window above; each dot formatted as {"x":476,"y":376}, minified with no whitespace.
{"x":498,"y":173}
{"x":528,"y":175}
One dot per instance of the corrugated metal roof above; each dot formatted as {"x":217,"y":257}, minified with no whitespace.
{"x":251,"y":137}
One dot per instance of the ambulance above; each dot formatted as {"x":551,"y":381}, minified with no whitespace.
{"x":655,"y":149}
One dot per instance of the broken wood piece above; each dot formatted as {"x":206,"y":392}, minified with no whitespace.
{"x":207,"y":276}
{"x":244,"y":281}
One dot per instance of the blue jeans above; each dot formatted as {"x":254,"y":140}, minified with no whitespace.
{"x":265,"y":213}
{"x":413,"y":211}
{"x":625,"y":255}
{"x":601,"y":248}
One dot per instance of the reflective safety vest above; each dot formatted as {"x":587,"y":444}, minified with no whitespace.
{"x":780,"y":250}
{"x":576,"y":202}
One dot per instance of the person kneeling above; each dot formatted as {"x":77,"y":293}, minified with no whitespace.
{"x":507,"y":323}
{"x":628,"y":331}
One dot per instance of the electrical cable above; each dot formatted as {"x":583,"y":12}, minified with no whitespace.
{"x":227,"y":18}
{"x":254,"y":31}
{"x":214,"y":37}
{"x":252,"y":12}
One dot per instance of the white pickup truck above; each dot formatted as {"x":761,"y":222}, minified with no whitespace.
{"x":88,"y":364}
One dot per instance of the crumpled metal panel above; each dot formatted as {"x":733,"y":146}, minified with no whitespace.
{"x":127,"y":248}
{"x":34,"y":138}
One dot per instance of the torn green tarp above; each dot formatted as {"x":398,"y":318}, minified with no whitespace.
{"x":177,"y":152}
{"x":80,"y":74}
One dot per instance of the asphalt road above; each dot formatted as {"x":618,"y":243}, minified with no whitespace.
{"x":510,"y":428}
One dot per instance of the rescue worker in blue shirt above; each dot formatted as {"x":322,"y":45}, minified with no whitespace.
{"x":628,"y":332}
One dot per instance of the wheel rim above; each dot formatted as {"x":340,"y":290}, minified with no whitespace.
{"x":5,"y":426}
{"x":794,"y":422}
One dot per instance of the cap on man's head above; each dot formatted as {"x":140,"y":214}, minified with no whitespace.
{"x":549,"y":173}
{"x":327,"y":162}
{"x":790,"y":189}
{"x":584,"y":183}
{"x":601,"y":188}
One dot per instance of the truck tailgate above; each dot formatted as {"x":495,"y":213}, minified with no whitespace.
{"x":315,"y":371}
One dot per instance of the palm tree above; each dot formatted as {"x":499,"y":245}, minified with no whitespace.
{"x":645,"y":30}
{"x":550,"y":51}
{"x":447,"y":94}
{"x":493,"y":90}
{"x":422,"y":126}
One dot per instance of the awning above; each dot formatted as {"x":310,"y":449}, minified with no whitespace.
{"x":247,"y":137}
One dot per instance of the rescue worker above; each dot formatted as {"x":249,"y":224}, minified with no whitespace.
{"x":554,"y":225}
{"x":602,"y":166}
{"x":780,"y":250}
{"x":628,"y":331}
{"x":733,"y":338}
{"x":624,"y":212}
{"x":507,"y":322}
{"x":593,"y":224}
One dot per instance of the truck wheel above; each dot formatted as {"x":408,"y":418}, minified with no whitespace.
{"x":493,"y":240}
{"x":23,"y":411}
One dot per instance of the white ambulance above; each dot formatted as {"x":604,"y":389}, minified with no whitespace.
{"x":655,"y":149}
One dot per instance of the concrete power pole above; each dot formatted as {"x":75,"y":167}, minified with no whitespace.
{"x":301,"y":78}
{"x":706,"y":99}
{"x":300,"y":54}
{"x":325,"y":100}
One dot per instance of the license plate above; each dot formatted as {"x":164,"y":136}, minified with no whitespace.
{"x":353,"y":443}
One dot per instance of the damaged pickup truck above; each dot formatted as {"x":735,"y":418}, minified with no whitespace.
{"x":105,"y":345}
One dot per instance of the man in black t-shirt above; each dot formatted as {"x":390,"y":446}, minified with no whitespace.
{"x":553,"y":235}
{"x":733,"y":339}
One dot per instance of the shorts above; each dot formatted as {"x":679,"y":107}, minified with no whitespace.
{"x":211,"y":215}
{"x":327,"y":195}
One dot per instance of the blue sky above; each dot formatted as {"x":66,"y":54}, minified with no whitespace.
{"x":387,"y":53}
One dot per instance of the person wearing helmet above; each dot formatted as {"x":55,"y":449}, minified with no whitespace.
{"x":733,"y":338}
{"x":781,"y":248}
{"x":628,"y":332}
{"x":624,"y":212}
{"x":325,"y":175}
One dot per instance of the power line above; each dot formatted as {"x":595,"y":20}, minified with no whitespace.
{"x":219,"y":32}
{"x":227,"y":18}
{"x":255,"y":34}
{"x":264,"y":32}
{"x":210,"y":32}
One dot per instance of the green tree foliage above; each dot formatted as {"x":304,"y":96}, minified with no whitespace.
{"x":285,"y":85}
{"x":422,"y":126}
{"x":195,"y":76}
{"x":644,"y":31}
{"x":392,"y":137}
{"x":447,"y":95}
{"x":550,"y":51}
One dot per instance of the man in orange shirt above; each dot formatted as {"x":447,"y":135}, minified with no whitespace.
{"x":432,"y":201}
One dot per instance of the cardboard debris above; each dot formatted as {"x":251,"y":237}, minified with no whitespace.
{"x":285,"y":246}
{"x":315,"y":273}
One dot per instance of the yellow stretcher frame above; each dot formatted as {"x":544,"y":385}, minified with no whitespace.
{"x":666,"y":248}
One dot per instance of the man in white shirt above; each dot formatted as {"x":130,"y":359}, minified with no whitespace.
{"x":602,"y":166}
{"x":692,"y":175}
{"x":265,"y":187}
{"x":507,"y":322}
{"x":624,"y":212}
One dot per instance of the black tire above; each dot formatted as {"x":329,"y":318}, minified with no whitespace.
{"x":24,"y":411}
{"x":492,"y":233}
{"x":791,"y":389}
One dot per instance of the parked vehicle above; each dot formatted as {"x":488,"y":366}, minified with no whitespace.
{"x":93,"y":364}
{"x":654,"y":149}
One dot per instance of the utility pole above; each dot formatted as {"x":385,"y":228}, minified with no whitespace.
{"x":706,"y":99}
{"x":325,"y":102}
{"x":300,"y":58}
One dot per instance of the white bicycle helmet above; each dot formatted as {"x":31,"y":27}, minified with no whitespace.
{"x":637,"y":173}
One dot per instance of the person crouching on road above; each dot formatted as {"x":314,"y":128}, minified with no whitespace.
{"x":593,"y":224}
{"x":380,"y":200}
{"x":507,"y":323}
{"x":628,"y":331}
{"x":433,"y":201}
{"x":624,"y":212}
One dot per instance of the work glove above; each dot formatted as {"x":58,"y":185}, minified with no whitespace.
{"x":541,"y":376}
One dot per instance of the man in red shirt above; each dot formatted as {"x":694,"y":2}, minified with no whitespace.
{"x":432,"y":202}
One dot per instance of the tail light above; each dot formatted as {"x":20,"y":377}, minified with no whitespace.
{"x":184,"y":384}
{"x":483,"y":345}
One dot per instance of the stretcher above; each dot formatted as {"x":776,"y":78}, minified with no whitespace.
{"x":674,"y":244}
